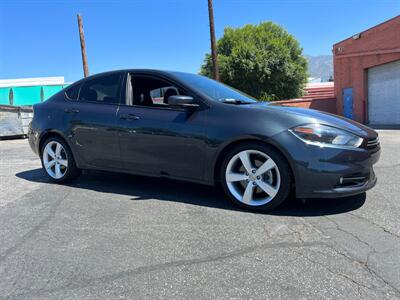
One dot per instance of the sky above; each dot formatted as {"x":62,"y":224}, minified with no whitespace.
{"x":40,"y":38}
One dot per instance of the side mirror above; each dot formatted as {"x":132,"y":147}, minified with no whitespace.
{"x":182,"y":101}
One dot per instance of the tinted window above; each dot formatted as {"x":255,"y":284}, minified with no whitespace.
{"x":151,"y":91}
{"x":102,"y":89}
{"x":157,"y":95}
{"x":72,"y":92}
{"x":214,"y":89}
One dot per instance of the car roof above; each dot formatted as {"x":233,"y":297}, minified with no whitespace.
{"x":139,"y":71}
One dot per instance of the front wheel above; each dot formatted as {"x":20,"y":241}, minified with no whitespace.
{"x":255,"y":176}
{"x":57,"y":160}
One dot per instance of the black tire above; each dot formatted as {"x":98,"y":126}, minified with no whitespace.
{"x":284,"y":170}
{"x":72,"y":171}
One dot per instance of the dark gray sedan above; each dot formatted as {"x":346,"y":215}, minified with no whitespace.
{"x":188,"y":127}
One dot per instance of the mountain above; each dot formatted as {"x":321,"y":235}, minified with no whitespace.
{"x":320,"y":66}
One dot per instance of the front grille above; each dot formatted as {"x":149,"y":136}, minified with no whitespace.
{"x":373,"y":145}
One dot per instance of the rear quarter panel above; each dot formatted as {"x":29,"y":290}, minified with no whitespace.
{"x":49,"y":118}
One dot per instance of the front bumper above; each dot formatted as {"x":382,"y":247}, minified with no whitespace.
{"x":336,"y":192}
{"x":326,"y":172}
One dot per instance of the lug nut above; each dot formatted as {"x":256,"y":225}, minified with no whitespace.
{"x":258,"y":177}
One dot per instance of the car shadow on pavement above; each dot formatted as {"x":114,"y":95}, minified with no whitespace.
{"x":141,"y":188}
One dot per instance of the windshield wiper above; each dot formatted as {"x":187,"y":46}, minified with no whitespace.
{"x":235,"y":101}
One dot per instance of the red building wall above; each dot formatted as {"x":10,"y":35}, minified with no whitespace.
{"x":352,"y":58}
{"x":319,"y":96}
{"x":327,"y":105}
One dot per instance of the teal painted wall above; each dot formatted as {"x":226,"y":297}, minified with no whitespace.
{"x":4,"y":96}
{"x":50,"y":90}
{"x":28,"y":95}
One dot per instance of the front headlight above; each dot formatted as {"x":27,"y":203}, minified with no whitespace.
{"x":323,"y":135}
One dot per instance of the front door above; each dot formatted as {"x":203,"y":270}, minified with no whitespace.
{"x":158,"y":139}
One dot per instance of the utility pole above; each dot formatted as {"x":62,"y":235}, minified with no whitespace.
{"x":214,"y":53}
{"x":83,"y":47}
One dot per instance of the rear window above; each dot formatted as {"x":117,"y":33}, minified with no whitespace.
{"x":72,"y":92}
{"x":102,"y":89}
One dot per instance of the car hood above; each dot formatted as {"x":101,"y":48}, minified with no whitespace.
{"x":300,"y":116}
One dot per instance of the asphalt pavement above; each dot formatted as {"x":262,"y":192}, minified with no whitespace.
{"x":114,"y":236}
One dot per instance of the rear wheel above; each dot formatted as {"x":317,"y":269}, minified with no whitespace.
{"x":57,"y":160}
{"x":255,"y":176}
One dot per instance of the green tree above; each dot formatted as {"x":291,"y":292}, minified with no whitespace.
{"x":262,"y":60}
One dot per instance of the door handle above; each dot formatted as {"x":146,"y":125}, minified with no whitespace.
{"x":71,"y":110}
{"x":128,"y":117}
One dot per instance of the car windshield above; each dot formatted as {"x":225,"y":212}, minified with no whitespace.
{"x":214,"y":89}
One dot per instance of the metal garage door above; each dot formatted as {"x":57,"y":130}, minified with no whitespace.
{"x":384,"y":94}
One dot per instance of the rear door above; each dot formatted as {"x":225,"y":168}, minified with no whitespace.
{"x":93,"y":120}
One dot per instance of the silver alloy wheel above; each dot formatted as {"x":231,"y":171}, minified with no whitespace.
{"x":253,"y":177}
{"x":55,"y":160}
